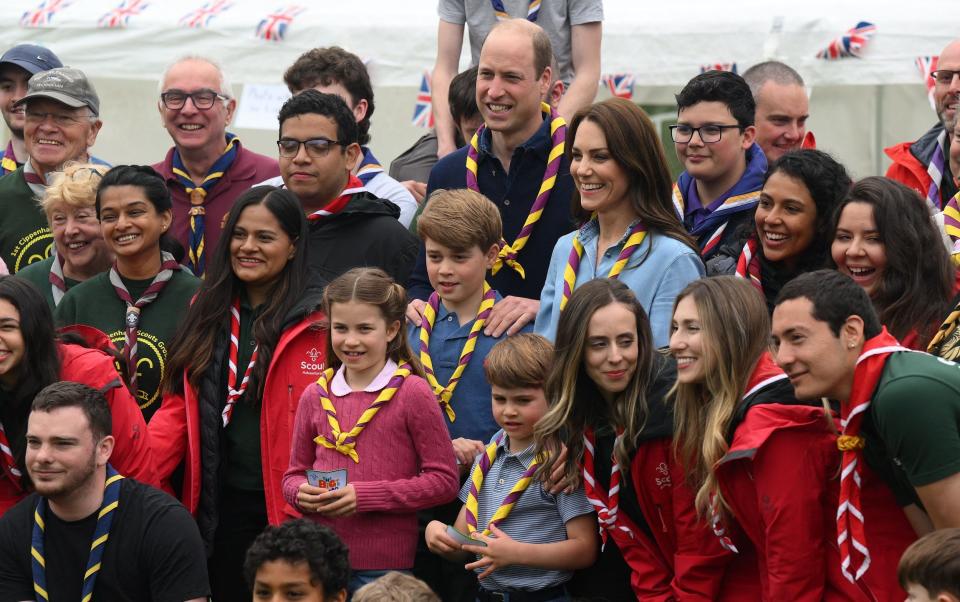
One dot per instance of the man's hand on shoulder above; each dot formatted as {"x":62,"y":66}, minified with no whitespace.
{"x":510,"y":315}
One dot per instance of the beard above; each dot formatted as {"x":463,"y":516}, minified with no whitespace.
{"x":72,"y":481}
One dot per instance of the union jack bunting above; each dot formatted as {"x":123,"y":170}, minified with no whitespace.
{"x":274,"y":26}
{"x":619,"y":84}
{"x":927,"y":65}
{"x":849,"y":44}
{"x":423,"y":110}
{"x":731,"y":67}
{"x":201,"y":17}
{"x":120,"y":15}
{"x":43,"y":14}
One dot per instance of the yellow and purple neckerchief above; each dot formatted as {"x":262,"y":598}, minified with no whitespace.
{"x":8,"y":163}
{"x":471,"y":508}
{"x":346,"y":442}
{"x":635,"y":238}
{"x":445,"y":393}
{"x":558,"y":134}
{"x":369,"y":167}
{"x":533,"y":10}
{"x":951,"y":225}
{"x":198,"y":194}
{"x":748,"y":264}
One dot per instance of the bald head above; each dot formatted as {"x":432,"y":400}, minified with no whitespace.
{"x":947,"y":95}
{"x":517,"y":29}
{"x":782,"y":107}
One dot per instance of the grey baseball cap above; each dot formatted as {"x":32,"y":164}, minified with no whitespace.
{"x":64,"y":84}
{"x":31,"y":57}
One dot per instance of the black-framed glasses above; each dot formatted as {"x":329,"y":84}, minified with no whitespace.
{"x":709,"y":134}
{"x":202,"y":99}
{"x":316,"y":147}
{"x":944,"y":76}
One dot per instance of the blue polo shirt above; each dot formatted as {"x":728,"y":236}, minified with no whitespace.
{"x":471,"y":399}
{"x":514,"y":194}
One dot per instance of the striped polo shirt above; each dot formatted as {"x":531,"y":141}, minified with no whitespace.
{"x":537,"y":517}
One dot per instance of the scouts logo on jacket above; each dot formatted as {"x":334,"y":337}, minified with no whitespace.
{"x":312,"y":367}
{"x":35,"y":246}
{"x":151,"y":364}
{"x":663,"y":481}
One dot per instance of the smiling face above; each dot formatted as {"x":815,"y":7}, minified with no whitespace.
{"x":719,"y":160}
{"x":259,"y":248}
{"x":857,"y":248}
{"x":600,"y":180}
{"x":62,"y":456}
{"x":359,"y":335}
{"x":12,"y":346}
{"x":610,"y":357}
{"x":781,"y":118}
{"x":785,"y":218}
{"x":76,"y":234}
{"x":130,"y":223}
{"x":685,"y":342}
{"x":13,"y":87}
{"x":193,"y":129}
{"x":50,"y":144}
{"x":517,"y":410}
{"x":316,"y":180}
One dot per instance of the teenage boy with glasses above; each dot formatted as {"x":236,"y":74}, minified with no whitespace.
{"x":207,"y":168}
{"x":724,"y":167}
{"x":349,"y":226}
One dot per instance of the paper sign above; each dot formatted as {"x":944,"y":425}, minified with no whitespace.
{"x":331,"y":480}
{"x":259,"y":106}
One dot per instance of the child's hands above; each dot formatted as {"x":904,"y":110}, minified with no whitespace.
{"x":308,"y":497}
{"x":501,"y":551}
{"x":437,"y":539}
{"x":466,"y":450}
{"x":339,"y":502}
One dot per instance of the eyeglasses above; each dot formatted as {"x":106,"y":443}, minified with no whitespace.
{"x":316,"y":147}
{"x":202,"y":99}
{"x":60,"y":119}
{"x":708,"y":133}
{"x":944,"y":76}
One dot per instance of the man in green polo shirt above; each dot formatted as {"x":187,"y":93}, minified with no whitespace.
{"x":61,"y":111}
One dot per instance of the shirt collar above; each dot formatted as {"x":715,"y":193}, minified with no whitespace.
{"x":525,"y":457}
{"x":339,"y":386}
{"x":539,"y":142}
{"x":443,"y":312}
{"x":591,"y":230}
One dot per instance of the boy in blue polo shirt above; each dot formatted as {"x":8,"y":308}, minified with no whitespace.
{"x":527,"y":542}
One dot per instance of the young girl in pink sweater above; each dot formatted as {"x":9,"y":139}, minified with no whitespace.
{"x":373,"y":416}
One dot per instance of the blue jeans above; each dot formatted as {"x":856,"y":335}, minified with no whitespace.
{"x":360,"y":578}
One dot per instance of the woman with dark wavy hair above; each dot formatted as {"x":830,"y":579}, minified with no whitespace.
{"x":884,"y":238}
{"x":248,"y":346}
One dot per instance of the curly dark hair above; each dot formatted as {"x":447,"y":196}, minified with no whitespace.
{"x":720,"y":86}
{"x":299,"y":541}
{"x":311,"y":102}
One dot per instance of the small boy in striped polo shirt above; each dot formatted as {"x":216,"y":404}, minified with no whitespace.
{"x":527,"y":542}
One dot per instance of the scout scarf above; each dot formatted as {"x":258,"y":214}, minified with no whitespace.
{"x":198,"y":194}
{"x":233,"y":392}
{"x":108,"y":509}
{"x":346,"y":442}
{"x":444,"y":393}
{"x":743,"y":196}
{"x":369,"y":167}
{"x":851,"y":536}
{"x":635,"y":237}
{"x":58,"y":285}
{"x":36,"y":182}
{"x":607,"y":506}
{"x":168,"y":265}
{"x":748,"y":265}
{"x":935,"y":171}
{"x":951,"y":224}
{"x":354,"y":185}
{"x":533,"y":10}
{"x":558,"y":133}
{"x":9,"y":463}
{"x":476,"y":482}
{"x":8,"y":162}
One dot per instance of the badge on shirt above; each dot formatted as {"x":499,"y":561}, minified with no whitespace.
{"x":331,"y":480}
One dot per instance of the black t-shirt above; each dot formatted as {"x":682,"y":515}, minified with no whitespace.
{"x":154,"y":552}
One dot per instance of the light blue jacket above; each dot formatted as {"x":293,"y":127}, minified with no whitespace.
{"x":656,"y":273}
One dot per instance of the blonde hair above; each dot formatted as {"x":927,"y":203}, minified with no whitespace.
{"x":734,"y":333}
{"x":75,"y":185}
{"x":460,"y":219}
{"x":520,"y":361}
{"x":396,"y":587}
{"x":374,"y":287}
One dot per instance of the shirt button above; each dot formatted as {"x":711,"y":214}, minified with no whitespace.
{"x":506,"y":202}
{"x":449,"y":318}
{"x":501,"y":481}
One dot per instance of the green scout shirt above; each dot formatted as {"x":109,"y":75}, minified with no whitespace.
{"x":913,"y":428}
{"x":38,"y":274}
{"x":24,"y":235}
{"x":96,"y":303}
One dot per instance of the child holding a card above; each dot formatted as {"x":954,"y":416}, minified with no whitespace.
{"x":372,"y":426}
{"x":527,"y":541}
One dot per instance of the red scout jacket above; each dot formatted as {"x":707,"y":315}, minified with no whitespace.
{"x":131,"y":453}
{"x":907,"y":169}
{"x":298,"y":360}
{"x":780,"y":480}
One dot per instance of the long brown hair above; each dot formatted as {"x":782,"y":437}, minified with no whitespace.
{"x":633,"y":143}
{"x":575,"y":400}
{"x":734,"y":332}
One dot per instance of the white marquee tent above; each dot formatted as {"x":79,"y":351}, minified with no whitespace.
{"x":858,"y":105}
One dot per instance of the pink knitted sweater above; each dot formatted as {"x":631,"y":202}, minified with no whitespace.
{"x":406,"y":464}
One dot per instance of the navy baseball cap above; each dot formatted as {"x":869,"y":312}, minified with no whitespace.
{"x":31,"y":57}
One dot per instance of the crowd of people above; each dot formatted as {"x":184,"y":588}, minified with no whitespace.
{"x":522,"y":364}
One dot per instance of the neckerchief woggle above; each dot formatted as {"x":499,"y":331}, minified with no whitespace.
{"x":198,"y":194}
{"x":101,"y":533}
{"x":471,"y":508}
{"x":742,"y":196}
{"x":235,"y":392}
{"x":607,"y":506}
{"x":369,"y":167}
{"x":445,"y":392}
{"x":558,"y":133}
{"x":635,"y":237}
{"x":533,"y":10}
{"x":354,"y":185}
{"x":851,"y":535}
{"x":346,"y":442}
{"x":946,"y":329}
